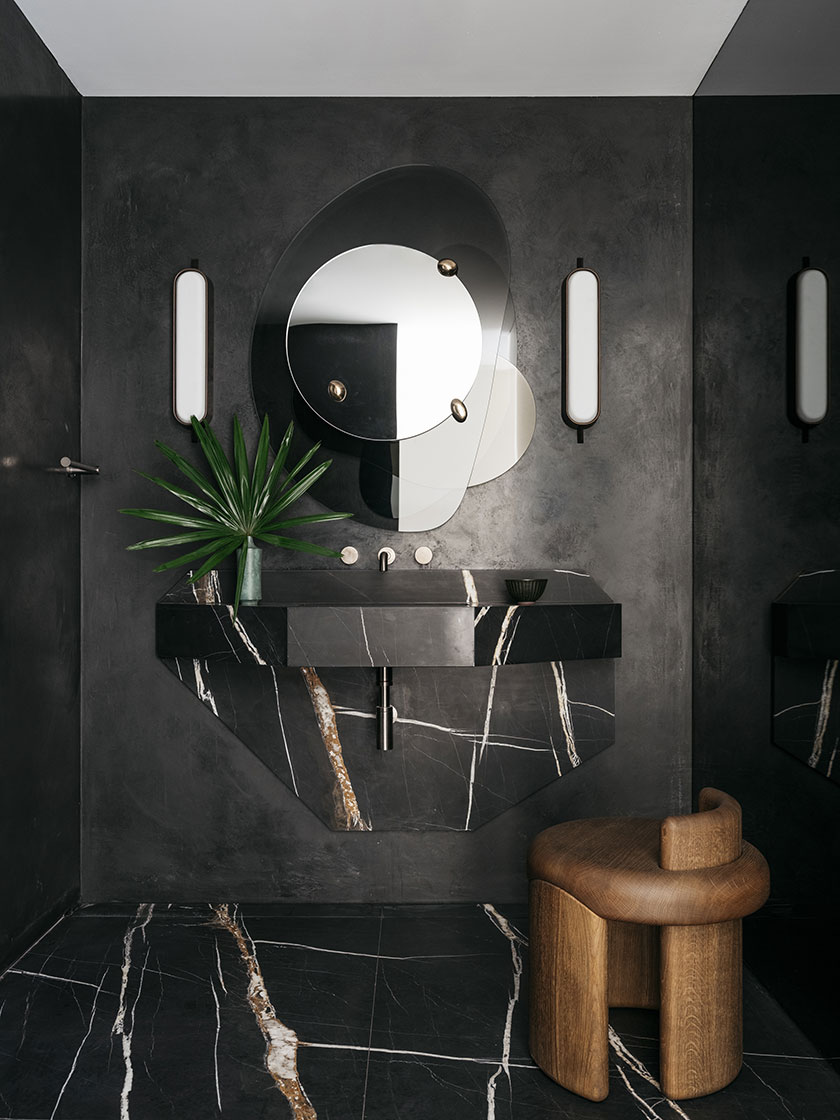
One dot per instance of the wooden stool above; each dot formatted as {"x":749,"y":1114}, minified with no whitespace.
{"x":642,"y":913}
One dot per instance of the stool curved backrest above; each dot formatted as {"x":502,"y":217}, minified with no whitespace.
{"x":708,"y":838}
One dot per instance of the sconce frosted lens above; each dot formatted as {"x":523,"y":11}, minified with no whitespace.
{"x":811,"y":376}
{"x":190,"y":346}
{"x":583,"y":392}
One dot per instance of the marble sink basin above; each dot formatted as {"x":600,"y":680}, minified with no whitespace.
{"x":403,"y":617}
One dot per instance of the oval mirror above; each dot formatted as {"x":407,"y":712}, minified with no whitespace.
{"x":380,"y":340}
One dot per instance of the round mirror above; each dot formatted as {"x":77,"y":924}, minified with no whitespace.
{"x":382,"y":339}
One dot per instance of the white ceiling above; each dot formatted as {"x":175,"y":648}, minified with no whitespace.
{"x":377,"y":48}
{"x":780,"y":47}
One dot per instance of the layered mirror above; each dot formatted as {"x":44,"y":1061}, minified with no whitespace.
{"x":386,"y":332}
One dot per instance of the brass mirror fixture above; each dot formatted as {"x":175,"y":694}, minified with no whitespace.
{"x":387,"y":332}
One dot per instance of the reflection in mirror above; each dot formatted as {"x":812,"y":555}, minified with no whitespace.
{"x":509,"y":426}
{"x":403,"y":337}
{"x":372,"y":265}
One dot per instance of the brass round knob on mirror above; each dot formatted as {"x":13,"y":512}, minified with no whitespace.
{"x":337,"y":390}
{"x":447,"y":267}
{"x":459,"y":410}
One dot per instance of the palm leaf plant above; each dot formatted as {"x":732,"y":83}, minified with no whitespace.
{"x":237,"y":503}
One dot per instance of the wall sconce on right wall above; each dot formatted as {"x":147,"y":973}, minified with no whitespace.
{"x":582,"y":357}
{"x":810,"y":372}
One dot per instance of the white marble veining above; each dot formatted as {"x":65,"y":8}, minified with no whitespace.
{"x":565,"y":711}
{"x":85,"y":1037}
{"x":286,"y":750}
{"x":628,"y":1061}
{"x":123,"y":1027}
{"x":281,"y":1041}
{"x":775,"y":1092}
{"x":515,"y":939}
{"x":202,"y":690}
{"x":243,"y":634}
{"x":365,"y":636}
{"x":216,"y":1045}
{"x":352,"y":818}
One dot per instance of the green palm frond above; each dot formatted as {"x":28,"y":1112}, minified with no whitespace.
{"x":235,"y":502}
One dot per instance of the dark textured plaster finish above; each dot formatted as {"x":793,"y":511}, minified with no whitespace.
{"x":40,"y":139}
{"x":767,"y":505}
{"x":176,"y":807}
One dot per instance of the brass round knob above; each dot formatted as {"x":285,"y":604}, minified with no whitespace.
{"x":459,"y":410}
{"x":447,"y":267}
{"x":337,"y":390}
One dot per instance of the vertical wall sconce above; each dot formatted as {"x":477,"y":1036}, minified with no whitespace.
{"x":190,"y":345}
{"x":810,"y":359}
{"x":582,"y":383}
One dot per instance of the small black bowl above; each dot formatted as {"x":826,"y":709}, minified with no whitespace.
{"x":525,"y":590}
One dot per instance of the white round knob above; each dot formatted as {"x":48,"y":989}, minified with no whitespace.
{"x":423,"y":555}
{"x":349,"y":555}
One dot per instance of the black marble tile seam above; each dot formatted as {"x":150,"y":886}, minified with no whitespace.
{"x":372,"y":1012}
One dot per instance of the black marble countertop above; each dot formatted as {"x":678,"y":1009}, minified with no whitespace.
{"x":398,"y":618}
{"x":355,"y":587}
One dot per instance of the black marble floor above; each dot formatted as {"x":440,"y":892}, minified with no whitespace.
{"x":334,"y":1012}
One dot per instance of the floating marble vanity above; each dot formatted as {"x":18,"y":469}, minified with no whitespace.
{"x":806,"y":652}
{"x":396,"y":618}
{"x":492,"y":699}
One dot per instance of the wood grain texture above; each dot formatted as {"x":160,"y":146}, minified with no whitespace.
{"x":632,"y":965}
{"x":701,"y":1014}
{"x":568,"y":1010}
{"x":708,"y":838}
{"x":611,"y":865}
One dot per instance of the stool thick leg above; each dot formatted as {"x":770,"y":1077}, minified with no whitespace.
{"x":568,"y":1010}
{"x":633,"y":961}
{"x":701,"y":1017}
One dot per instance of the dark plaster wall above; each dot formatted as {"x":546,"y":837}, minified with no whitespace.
{"x":175,"y":806}
{"x":40,"y":256}
{"x":767,"y":505}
